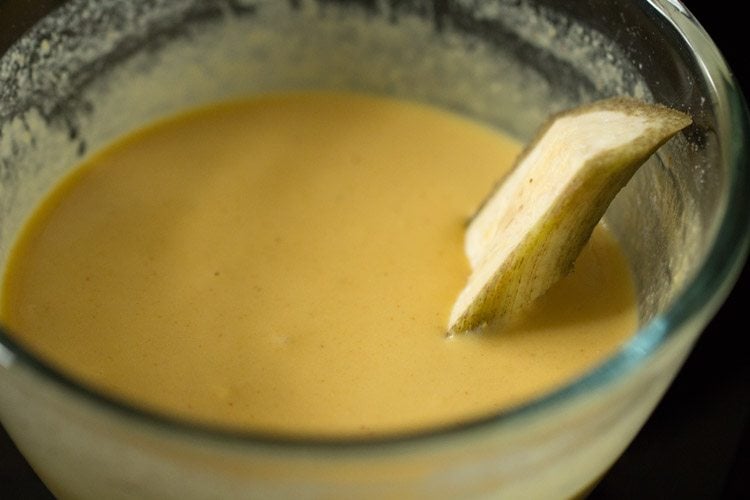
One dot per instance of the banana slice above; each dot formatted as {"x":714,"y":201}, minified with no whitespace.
{"x":529,"y":231}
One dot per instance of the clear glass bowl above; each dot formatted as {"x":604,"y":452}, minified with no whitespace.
{"x":90,"y":71}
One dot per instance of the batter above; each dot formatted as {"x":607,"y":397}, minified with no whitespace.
{"x":287,"y":264}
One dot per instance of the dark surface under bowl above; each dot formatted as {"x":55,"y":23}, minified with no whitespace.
{"x":697,"y":442}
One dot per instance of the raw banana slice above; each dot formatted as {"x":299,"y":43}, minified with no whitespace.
{"x":529,"y":231}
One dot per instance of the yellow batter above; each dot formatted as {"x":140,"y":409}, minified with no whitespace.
{"x":288,"y":264}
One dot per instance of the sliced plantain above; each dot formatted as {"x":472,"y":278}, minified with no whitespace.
{"x":529,"y":231}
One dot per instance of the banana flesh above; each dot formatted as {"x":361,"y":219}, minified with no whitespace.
{"x":529,"y":231}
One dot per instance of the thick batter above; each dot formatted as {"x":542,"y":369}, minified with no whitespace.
{"x":288,"y":263}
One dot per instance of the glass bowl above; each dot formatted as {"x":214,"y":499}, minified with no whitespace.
{"x":89,"y":71}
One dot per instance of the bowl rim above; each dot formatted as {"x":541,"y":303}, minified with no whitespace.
{"x":691,"y":308}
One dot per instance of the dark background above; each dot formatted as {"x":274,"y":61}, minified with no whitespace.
{"x":697,"y":442}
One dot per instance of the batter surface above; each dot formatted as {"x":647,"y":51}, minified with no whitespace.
{"x":288,"y":263}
